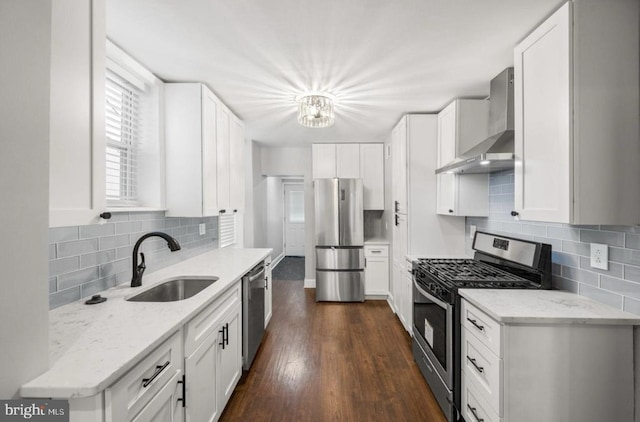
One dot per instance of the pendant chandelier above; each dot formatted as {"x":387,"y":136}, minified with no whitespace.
{"x":315,"y":110}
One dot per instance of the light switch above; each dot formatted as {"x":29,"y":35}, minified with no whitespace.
{"x":202,"y":228}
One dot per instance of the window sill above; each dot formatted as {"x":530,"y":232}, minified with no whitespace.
{"x":134,"y":209}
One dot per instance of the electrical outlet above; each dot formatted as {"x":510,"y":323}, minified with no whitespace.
{"x":599,"y":256}
{"x":472,"y":230}
{"x":202,"y":229}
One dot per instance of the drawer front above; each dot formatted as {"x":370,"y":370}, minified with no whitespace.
{"x":373,"y":251}
{"x":484,"y":367}
{"x":474,"y":408}
{"x":128,"y":396}
{"x":339,"y":258}
{"x":488,"y":330}
{"x":203,"y":324}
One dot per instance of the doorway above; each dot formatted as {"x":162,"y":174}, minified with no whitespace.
{"x":294,"y":232}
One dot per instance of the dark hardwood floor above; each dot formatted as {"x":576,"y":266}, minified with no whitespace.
{"x":332,"y":362}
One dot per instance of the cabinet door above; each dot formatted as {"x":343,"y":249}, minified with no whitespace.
{"x":348,"y":161}
{"x":399,"y":166}
{"x":77,"y":130}
{"x":408,"y":298}
{"x":376,"y":276}
{"x":236,"y":159}
{"x":543,"y":112}
{"x":209,"y":154}
{"x":166,"y":406}
{"x":201,"y":369}
{"x":372,"y":175}
{"x":446,"y":152}
{"x":446,"y":194}
{"x":222,"y":143}
{"x":324,"y":161}
{"x":268,"y":293}
{"x":230,"y":356}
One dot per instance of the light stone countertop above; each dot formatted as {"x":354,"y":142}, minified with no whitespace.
{"x":376,"y":241}
{"x":545,"y":307}
{"x":90,"y":347}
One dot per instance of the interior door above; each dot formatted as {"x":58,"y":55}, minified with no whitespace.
{"x":294,"y":219}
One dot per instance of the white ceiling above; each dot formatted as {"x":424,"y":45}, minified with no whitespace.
{"x":381,"y":58}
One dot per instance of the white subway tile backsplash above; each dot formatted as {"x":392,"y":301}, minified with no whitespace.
{"x":85,"y":260}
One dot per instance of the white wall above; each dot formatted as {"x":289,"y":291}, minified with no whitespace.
{"x":25,"y":36}
{"x":274,"y":211}
{"x":276,"y":163}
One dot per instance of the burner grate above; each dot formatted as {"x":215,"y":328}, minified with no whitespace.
{"x":468,"y":271}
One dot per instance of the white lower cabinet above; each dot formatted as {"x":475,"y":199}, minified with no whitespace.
{"x":268,"y":292}
{"x":524,"y":371}
{"x":214,"y":367}
{"x":190,"y":377}
{"x":128,"y":397}
{"x":166,"y":406}
{"x":376,"y":271}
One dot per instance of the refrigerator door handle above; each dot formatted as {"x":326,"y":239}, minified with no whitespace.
{"x":342,"y":194}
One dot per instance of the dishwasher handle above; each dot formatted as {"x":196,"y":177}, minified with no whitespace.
{"x":256,"y":276}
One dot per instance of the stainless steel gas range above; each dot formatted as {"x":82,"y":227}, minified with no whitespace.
{"x":499,"y":262}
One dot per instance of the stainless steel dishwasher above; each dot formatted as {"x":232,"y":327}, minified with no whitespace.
{"x":253,"y":285}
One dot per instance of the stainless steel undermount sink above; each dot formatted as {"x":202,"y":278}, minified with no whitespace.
{"x":174,"y":290}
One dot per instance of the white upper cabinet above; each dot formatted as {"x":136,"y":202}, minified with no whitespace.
{"x":576,"y":116}
{"x":353,"y":161}
{"x":372,"y":175}
{"x":461,"y":125}
{"x":77,"y":131}
{"x":204,"y":153}
{"x":224,"y":166}
{"x":348,"y":161}
{"x":324,"y":161}
{"x":236,"y":161}
{"x":399,"y":166}
{"x":191,"y":151}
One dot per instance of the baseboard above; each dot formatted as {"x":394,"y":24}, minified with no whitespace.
{"x":276,"y":261}
{"x":376,"y":297}
{"x":390,"y":302}
{"x":309,"y":283}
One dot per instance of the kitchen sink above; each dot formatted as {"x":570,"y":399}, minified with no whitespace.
{"x":174,"y":290}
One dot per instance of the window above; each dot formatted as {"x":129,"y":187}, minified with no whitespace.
{"x":226,"y":230}
{"x":134,"y":144}
{"x":122,"y":139}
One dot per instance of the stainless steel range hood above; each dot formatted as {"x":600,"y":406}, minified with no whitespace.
{"x":496,"y":152}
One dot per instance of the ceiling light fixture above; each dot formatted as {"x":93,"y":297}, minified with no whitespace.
{"x":315,"y":110}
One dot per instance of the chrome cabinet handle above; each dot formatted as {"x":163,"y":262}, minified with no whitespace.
{"x":475,"y":324}
{"x":475,"y":415}
{"x":159,"y":369}
{"x":473,"y":362}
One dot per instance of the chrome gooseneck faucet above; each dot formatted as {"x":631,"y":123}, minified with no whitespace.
{"x":138,"y":270}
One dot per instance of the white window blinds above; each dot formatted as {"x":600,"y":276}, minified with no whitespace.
{"x":122,"y":139}
{"x":226,"y":230}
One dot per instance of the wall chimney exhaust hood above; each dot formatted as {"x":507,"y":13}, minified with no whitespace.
{"x":496,"y":152}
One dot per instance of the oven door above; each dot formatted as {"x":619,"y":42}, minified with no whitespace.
{"x":433,"y":329}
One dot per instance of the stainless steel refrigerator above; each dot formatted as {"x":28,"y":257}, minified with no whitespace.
{"x":339,"y":240}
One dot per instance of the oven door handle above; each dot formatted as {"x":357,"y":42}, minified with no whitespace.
{"x":430,"y":296}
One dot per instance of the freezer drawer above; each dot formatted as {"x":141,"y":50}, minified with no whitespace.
{"x":339,"y":286}
{"x":336,"y":258}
